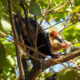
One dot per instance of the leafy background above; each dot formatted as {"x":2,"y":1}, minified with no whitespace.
{"x":58,"y":11}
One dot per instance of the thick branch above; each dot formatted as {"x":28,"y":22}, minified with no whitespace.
{"x":68,"y":57}
{"x":45,"y":64}
{"x":35,"y":71}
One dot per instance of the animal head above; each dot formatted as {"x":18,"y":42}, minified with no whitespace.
{"x":56,"y":41}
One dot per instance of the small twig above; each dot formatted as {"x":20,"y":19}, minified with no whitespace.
{"x":3,"y":34}
{"x":52,"y":9}
{"x":67,"y":27}
{"x":75,"y":42}
{"x":41,"y":21}
{"x":70,"y":3}
{"x":52,"y":26}
{"x":42,"y":54}
{"x":49,"y":2}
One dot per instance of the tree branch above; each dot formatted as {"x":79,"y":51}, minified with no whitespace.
{"x":14,"y":36}
{"x":68,"y":57}
{"x":35,"y":71}
{"x":67,"y":27}
{"x":46,"y":64}
{"x":52,"y":9}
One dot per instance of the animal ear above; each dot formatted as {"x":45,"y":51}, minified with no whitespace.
{"x":53,"y":32}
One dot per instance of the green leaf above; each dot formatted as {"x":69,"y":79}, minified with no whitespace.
{"x":78,"y":78}
{"x":77,"y":2}
{"x":59,"y":1}
{"x":35,"y":9}
{"x":78,"y":61}
{"x":10,"y":48}
{"x":67,"y":74}
{"x":69,"y":33}
{"x":76,"y":9}
{"x":48,"y":75}
{"x":77,"y":45}
{"x":5,"y":26}
{"x":43,"y":3}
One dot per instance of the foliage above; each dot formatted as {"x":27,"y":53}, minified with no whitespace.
{"x":67,"y":74}
{"x":58,"y":9}
{"x":7,"y":61}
